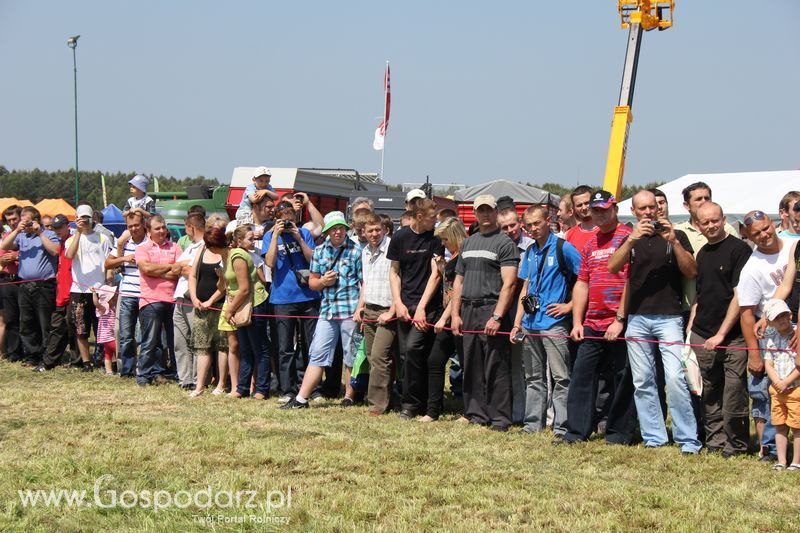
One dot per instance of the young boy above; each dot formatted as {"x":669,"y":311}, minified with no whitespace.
{"x":785,"y":377}
{"x":253,"y":195}
{"x":139,"y":201}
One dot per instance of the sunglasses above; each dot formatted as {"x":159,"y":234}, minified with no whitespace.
{"x":757,"y":215}
{"x":796,"y":207}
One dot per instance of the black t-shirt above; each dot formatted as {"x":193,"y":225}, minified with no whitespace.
{"x":414,"y":252}
{"x":718,"y":269}
{"x":654,"y":277}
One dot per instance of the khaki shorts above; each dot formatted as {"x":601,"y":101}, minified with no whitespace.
{"x":206,"y":335}
{"x":785,"y":409}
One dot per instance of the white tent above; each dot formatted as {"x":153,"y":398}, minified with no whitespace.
{"x":737,"y":192}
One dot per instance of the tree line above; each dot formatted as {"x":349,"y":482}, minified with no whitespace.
{"x":36,"y":185}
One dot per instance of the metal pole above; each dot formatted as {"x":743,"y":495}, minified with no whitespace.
{"x":75,"y":93}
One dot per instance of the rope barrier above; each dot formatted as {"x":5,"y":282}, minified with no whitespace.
{"x":468,"y":332}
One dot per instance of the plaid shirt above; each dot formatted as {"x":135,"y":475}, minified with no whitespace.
{"x":340,"y":300}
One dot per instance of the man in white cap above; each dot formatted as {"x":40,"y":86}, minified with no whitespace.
{"x":87,"y":250}
{"x":412,"y":197}
{"x":254,"y":194}
{"x":483,"y":291}
{"x":336,"y":273}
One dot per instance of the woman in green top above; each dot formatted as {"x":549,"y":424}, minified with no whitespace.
{"x":243,"y":284}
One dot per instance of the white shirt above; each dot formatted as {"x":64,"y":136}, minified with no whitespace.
{"x":761,"y":276}
{"x":188,"y":255}
{"x":375,"y":266}
{"x":87,"y":265}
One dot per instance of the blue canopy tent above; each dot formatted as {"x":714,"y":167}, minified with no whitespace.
{"x":113,"y":219}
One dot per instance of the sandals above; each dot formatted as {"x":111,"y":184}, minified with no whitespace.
{"x":794,"y":467}
{"x":218,"y":392}
{"x":195,"y":393}
{"x":779,"y":467}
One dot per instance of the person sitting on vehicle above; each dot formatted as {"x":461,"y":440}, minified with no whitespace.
{"x":139,"y":202}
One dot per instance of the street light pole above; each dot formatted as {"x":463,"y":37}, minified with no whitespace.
{"x":72,"y":42}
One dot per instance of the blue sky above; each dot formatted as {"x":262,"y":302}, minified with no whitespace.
{"x":516,"y":90}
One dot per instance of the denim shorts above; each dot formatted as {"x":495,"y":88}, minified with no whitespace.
{"x":758,"y":388}
{"x":326,"y":336}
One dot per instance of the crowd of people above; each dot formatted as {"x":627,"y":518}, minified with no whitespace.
{"x":575,"y":322}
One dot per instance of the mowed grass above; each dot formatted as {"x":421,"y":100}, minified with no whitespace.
{"x":347,"y":471}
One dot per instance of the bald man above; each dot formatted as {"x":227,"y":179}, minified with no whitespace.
{"x":658,"y":256}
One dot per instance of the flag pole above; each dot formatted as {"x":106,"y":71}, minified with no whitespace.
{"x":385,"y":131}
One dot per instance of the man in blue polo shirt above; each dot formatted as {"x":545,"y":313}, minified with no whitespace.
{"x":287,"y":251}
{"x":38,"y":260}
{"x":548,"y":277}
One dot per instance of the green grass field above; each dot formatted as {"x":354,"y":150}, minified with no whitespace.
{"x":347,"y":471}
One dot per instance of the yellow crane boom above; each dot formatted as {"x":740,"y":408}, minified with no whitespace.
{"x":637,"y":16}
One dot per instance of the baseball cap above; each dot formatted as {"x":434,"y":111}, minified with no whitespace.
{"x":59,"y":221}
{"x":104,"y":295}
{"x":84,"y":211}
{"x":484,"y":199}
{"x":334,"y":218}
{"x":140,"y":182}
{"x":261,"y":171}
{"x":231,"y":227}
{"x":602,"y":200}
{"x":414,"y":194}
{"x":775,"y":308}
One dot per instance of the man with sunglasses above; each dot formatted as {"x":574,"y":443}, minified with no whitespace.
{"x":760,"y":278}
{"x":789,"y":211}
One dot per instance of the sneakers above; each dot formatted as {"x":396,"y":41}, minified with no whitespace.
{"x":407,"y":414}
{"x":294,"y":404}
{"x":87,"y":367}
{"x":347,"y":402}
{"x":40,"y":368}
{"x":286,"y":398}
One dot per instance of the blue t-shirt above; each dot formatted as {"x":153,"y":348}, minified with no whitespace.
{"x":34,"y":261}
{"x":284,"y":288}
{"x":550,"y":287}
{"x":250,"y":189}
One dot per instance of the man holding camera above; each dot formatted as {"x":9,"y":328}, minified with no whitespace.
{"x":658,"y":256}
{"x":548,"y":268}
{"x":87,"y":250}
{"x":38,"y":260}
{"x":288,"y":251}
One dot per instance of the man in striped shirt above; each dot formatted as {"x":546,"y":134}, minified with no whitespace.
{"x":128,"y":303}
{"x":483,"y":291}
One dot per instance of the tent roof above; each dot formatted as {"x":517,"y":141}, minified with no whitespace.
{"x":521,"y":193}
{"x":737,"y":192}
{"x":56,"y":206}
{"x":112,"y":215}
{"x":7,"y":202}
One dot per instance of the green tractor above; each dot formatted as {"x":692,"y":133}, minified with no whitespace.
{"x":174,"y":205}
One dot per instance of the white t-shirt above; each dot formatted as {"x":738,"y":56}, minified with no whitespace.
{"x":761,"y":276}
{"x":87,"y":265}
{"x":188,"y":255}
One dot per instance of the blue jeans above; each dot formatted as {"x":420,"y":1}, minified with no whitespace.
{"x":668,"y":328}
{"x":254,"y":353}
{"x":758,"y":388}
{"x":538,"y":355}
{"x":153,"y":318}
{"x":128,"y":310}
